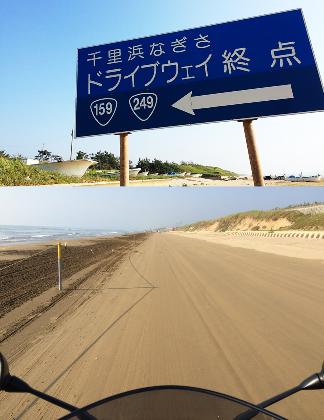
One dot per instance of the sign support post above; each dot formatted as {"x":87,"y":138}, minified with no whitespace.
{"x":253,"y":153}
{"x":72,"y":144}
{"x":59,"y":265}
{"x":124,"y":160}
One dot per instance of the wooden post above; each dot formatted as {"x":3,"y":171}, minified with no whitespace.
{"x":59,"y":265}
{"x":124,"y":160}
{"x":253,"y":153}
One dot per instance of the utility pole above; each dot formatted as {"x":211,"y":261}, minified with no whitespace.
{"x":43,"y":153}
{"x":72,"y":144}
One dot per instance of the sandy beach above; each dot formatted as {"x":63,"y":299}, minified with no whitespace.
{"x":195,"y":182}
{"x":204,"y":182}
{"x":173,"y":309}
{"x":35,"y":265}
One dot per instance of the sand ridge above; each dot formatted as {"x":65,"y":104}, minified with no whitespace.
{"x":299,"y":247}
{"x":248,"y":223}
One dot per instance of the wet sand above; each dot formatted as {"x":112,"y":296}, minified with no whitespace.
{"x":29,"y":273}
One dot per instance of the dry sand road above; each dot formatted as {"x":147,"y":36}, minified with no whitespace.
{"x":233,"y":320}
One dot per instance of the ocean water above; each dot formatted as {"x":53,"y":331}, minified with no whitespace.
{"x":13,"y":235}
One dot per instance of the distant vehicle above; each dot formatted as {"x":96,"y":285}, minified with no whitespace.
{"x":292,"y":178}
{"x":273,"y":177}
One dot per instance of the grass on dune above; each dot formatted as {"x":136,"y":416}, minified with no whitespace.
{"x":299,"y":221}
{"x":207,"y":170}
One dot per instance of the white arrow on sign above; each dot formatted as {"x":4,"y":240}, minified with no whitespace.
{"x":188,"y":103}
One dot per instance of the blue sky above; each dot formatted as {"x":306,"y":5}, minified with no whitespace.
{"x":139,"y":208}
{"x":38,"y":48}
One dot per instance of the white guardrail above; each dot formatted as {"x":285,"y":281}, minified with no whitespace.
{"x":287,"y":234}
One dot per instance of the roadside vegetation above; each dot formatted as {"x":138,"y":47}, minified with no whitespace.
{"x":157,"y":166}
{"x":205,"y":170}
{"x":295,"y":220}
{"x":108,"y":161}
{"x":14,"y":172}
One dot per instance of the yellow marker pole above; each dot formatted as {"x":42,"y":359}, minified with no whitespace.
{"x":135,"y":238}
{"x":59,"y":265}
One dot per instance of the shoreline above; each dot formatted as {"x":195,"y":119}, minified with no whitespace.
{"x":41,"y":245}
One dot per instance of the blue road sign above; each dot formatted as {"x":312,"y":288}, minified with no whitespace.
{"x":257,"y":67}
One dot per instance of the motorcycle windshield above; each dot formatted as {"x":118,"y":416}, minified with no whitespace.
{"x":171,"y":403}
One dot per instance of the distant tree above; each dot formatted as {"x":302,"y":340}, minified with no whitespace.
{"x":17,"y":156}
{"x":48,"y":157}
{"x":157,"y":166}
{"x":3,"y":154}
{"x":144,"y":164}
{"x":106,"y":160}
{"x":172,"y":166}
{"x":43,"y":155}
{"x":56,"y":158}
{"x":81,"y":155}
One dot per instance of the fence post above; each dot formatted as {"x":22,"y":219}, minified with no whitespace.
{"x":59,"y":265}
